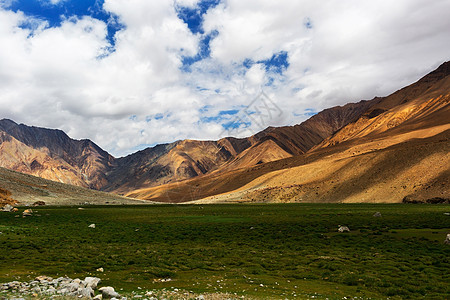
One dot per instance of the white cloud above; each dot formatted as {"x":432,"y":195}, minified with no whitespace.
{"x":54,"y":77}
{"x":55,"y":2}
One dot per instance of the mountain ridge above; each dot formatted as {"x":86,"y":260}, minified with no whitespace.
{"x":51,"y":154}
{"x":167,"y":171}
{"x":423,"y":118}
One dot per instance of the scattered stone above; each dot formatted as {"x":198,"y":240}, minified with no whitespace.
{"x":201,"y":297}
{"x":343,"y":229}
{"x":447,"y":214}
{"x":98,"y":297}
{"x":8,"y":208}
{"x":63,"y":291}
{"x":50,"y":291}
{"x":27,"y":212}
{"x":91,"y":282}
{"x":38,"y":203}
{"x":447,"y":239}
{"x":108,"y":292}
{"x":87,"y":292}
{"x":92,"y":226}
{"x":377,"y":214}
{"x":74,"y":286}
{"x":100,"y":270}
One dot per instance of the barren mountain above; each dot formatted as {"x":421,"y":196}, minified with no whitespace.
{"x":423,"y":104}
{"x":305,"y":162}
{"x":189,"y":158}
{"x":26,"y":189}
{"x":398,"y":147}
{"x":51,"y":154}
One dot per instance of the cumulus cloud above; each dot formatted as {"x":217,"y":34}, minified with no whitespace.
{"x":133,"y":90}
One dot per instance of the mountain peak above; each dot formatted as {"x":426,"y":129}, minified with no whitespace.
{"x":7,"y":122}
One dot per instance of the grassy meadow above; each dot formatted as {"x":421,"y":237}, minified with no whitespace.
{"x":260,"y":251}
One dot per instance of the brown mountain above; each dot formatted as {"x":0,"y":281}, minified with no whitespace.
{"x":189,"y":158}
{"x":256,"y":168}
{"x":398,"y":147}
{"x":51,"y":154}
{"x":423,"y":104}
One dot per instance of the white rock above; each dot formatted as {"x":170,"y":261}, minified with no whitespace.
{"x":108,"y":292}
{"x":98,"y":297}
{"x":7,"y":208}
{"x":92,"y":226}
{"x":447,"y":239}
{"x":343,"y":229}
{"x":92,"y":282}
{"x":87,"y":292}
{"x":73,"y":286}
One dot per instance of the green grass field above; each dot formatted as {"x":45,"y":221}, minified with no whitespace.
{"x":261,"y":251}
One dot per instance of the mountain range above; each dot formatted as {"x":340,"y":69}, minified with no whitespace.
{"x":381,"y":150}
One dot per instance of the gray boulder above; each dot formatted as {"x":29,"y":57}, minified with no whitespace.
{"x":377,"y":214}
{"x":108,"y":292}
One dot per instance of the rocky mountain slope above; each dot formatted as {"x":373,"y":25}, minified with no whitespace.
{"x":53,"y":155}
{"x":397,"y":148}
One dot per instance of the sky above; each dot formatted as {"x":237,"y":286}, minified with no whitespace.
{"x":129,"y":74}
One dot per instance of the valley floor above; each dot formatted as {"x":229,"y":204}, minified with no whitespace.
{"x":273,"y":251}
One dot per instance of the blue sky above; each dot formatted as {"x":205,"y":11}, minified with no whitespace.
{"x":128,"y":74}
{"x":54,"y":14}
